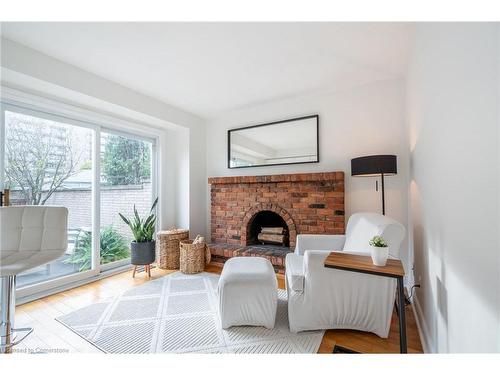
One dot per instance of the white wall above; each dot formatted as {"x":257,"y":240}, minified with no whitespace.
{"x":362,"y":121}
{"x":182,"y":135}
{"x":453,"y":98}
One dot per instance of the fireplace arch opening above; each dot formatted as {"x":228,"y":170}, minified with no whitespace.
{"x":264,"y":228}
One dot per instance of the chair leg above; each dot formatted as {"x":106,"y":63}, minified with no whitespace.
{"x":8,"y":301}
{"x":8,"y":306}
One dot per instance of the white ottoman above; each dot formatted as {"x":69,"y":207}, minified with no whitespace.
{"x":248,"y":293}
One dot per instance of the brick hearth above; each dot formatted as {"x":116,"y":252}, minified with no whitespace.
{"x":307,"y":202}
{"x":275,"y":254}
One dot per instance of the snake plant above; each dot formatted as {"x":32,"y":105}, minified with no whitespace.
{"x":142,"y":230}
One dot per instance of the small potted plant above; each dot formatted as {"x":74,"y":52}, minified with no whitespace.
{"x":143,"y":230}
{"x":379,"y":250}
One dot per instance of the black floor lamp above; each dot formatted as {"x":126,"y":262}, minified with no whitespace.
{"x":375,"y":165}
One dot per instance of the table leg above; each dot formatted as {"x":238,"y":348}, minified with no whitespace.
{"x":402,"y":321}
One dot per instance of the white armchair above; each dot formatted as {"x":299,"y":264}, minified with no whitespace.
{"x":325,"y":298}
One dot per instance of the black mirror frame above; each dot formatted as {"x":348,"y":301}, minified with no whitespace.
{"x":268,"y":124}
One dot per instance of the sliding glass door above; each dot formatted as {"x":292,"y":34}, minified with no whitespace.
{"x":49,"y":162}
{"x":125,"y":182}
{"x":50,"y":159}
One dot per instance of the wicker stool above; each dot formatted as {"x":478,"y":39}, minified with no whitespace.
{"x":192,"y":257}
{"x":167,"y":247}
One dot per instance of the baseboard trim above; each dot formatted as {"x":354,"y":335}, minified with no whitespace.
{"x":423,"y":331}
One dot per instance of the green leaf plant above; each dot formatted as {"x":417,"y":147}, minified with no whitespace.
{"x":378,"y":241}
{"x":142,"y":229}
{"x":112,"y":247}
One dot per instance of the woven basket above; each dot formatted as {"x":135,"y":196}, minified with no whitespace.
{"x":167,"y":247}
{"x":192,"y":257}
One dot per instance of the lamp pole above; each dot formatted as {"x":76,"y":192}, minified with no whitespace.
{"x":383,"y":195}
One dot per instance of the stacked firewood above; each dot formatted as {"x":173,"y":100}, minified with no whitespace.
{"x":274,"y":235}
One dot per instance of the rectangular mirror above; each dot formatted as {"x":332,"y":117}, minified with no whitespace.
{"x":291,"y":141}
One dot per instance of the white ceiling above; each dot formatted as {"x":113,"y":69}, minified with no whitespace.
{"x":210,"y":68}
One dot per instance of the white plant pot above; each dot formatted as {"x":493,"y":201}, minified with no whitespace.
{"x":379,"y":255}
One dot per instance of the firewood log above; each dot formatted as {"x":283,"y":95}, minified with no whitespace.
{"x":268,"y":237}
{"x":272,"y":230}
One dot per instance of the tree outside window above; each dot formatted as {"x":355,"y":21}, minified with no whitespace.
{"x":125,"y":161}
{"x":40,"y":156}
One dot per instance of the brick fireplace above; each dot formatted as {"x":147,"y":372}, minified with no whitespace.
{"x":301,"y":203}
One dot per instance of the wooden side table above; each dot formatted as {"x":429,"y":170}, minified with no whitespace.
{"x":363,"y":264}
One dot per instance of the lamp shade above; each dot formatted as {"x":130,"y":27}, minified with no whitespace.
{"x":374,"y":165}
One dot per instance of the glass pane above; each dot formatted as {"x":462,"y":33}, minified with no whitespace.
{"x":125,"y":182}
{"x":50,"y":163}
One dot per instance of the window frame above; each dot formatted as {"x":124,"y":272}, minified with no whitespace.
{"x":39,"y":106}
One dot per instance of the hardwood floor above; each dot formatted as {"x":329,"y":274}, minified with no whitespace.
{"x":50,"y":335}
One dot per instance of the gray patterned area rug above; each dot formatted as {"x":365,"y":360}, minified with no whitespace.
{"x":179,"y":314}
